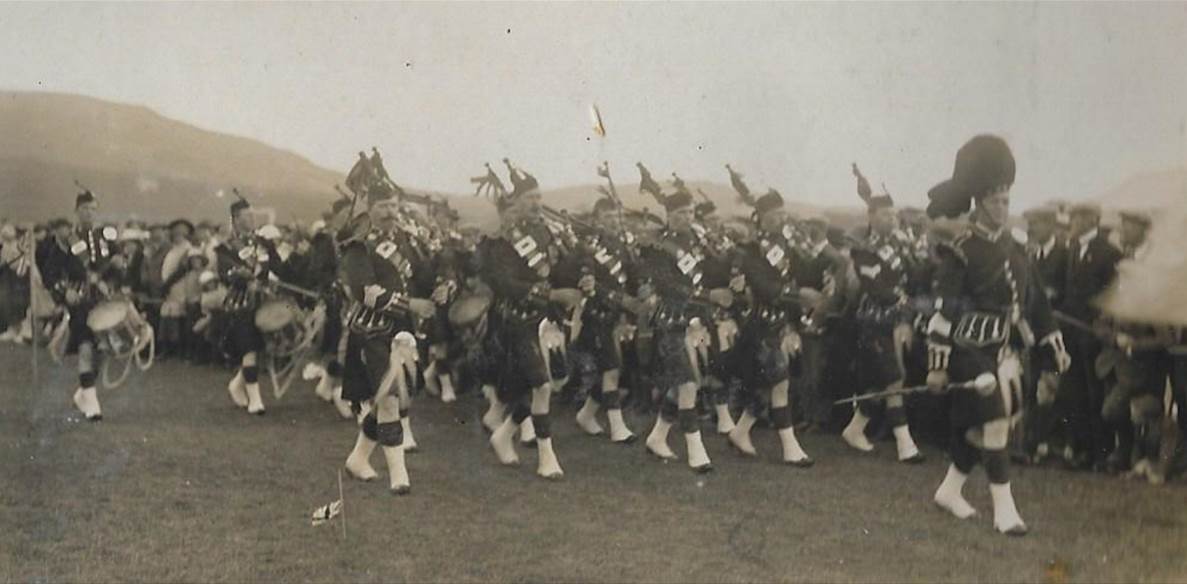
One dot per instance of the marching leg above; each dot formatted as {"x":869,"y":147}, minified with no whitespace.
{"x":793,"y":454}
{"x":358,"y":463}
{"x":502,"y":440}
{"x":950,"y":496}
{"x":548,"y":467}
{"x":527,"y":432}
{"x":448,"y":395}
{"x":495,"y":412}
{"x":325,"y":385}
{"x":251,"y":379}
{"x":657,"y":440}
{"x":698,"y":458}
{"x":739,"y":437}
{"x":587,"y":417}
{"x":390,"y":434}
{"x":855,"y":433}
{"x":237,"y":390}
{"x":725,"y":421}
{"x":86,"y":398}
{"x":342,"y":405}
{"x":908,"y":452}
{"x":1005,"y":513}
{"x":619,"y":433}
{"x":410,"y":444}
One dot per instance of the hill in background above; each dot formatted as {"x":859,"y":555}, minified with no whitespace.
{"x":151,"y":167}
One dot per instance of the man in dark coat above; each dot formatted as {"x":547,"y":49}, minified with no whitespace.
{"x":1091,"y":267}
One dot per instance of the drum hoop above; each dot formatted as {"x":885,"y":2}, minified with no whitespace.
{"x":102,"y":309}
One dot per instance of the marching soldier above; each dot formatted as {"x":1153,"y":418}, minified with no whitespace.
{"x":990,"y":306}
{"x":245,"y":263}
{"x":674,"y":266}
{"x":519,"y":264}
{"x":769,"y":337}
{"x":884,"y":263}
{"x":79,"y":268}
{"x":607,"y":319}
{"x":377,"y":276}
{"x":721,"y":269}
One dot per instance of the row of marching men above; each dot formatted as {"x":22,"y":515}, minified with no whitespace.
{"x":677,"y":311}
{"x":687,"y":311}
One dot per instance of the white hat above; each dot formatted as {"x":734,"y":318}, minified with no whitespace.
{"x":269,"y":232}
{"x":317,"y":226}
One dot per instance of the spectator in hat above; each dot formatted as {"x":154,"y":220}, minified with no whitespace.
{"x":1092,"y":266}
{"x":1135,"y":225}
{"x":173,"y":271}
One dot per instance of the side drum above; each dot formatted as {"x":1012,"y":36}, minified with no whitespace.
{"x":282,"y":324}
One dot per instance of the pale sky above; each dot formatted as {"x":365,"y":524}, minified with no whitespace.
{"x":1087,"y":94}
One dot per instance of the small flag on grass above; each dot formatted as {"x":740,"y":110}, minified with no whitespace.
{"x":326,"y":513}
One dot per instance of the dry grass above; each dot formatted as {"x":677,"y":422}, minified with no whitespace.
{"x":175,"y":485}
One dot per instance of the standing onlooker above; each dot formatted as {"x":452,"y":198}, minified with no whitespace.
{"x":174,"y":268}
{"x":1092,"y":265}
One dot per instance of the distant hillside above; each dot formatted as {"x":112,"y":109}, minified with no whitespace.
{"x":140,"y":163}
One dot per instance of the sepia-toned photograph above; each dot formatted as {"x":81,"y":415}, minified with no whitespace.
{"x":593,"y":292}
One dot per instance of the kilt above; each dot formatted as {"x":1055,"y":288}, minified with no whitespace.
{"x":969,"y":408}
{"x":597,"y":339}
{"x":238,"y":334}
{"x":364,"y":365}
{"x":877,"y":362}
{"x":79,"y":331}
{"x":760,"y":356}
{"x":671,"y":364}
{"x":522,"y":367}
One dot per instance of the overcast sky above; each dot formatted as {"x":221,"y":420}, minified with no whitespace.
{"x":1087,"y":94}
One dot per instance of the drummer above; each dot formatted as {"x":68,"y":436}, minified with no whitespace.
{"x":245,"y":262}
{"x":79,"y":270}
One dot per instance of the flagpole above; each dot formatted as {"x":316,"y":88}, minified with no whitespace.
{"x":32,"y":259}
{"x":342,"y":509}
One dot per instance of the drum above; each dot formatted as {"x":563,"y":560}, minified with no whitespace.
{"x":282,"y":324}
{"x":119,"y":328}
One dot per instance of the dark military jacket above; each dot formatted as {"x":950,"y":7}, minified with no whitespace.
{"x":377,"y":275}
{"x":84,"y":261}
{"x":1088,"y":274}
{"x":520,"y":265}
{"x":1051,"y":265}
{"x":989,"y":292}
{"x":769,"y":266}
{"x":244,"y":259}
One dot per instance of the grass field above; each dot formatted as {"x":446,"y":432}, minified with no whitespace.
{"x":177,"y":485}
